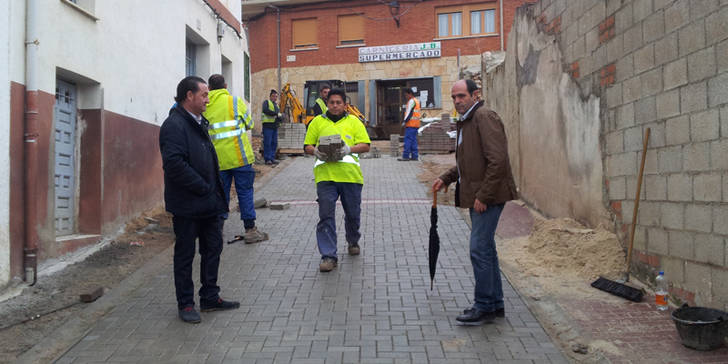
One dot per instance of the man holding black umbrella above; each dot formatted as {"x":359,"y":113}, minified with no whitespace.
{"x":484,"y":183}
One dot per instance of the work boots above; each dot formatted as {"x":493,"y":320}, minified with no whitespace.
{"x":327,"y":264}
{"x":354,"y":249}
{"x":252,"y":236}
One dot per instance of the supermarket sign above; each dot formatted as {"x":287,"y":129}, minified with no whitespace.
{"x":400,"y":52}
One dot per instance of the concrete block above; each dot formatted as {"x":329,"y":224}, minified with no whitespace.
{"x":696,"y":157}
{"x":648,"y":213}
{"x":693,"y":97}
{"x":710,"y":249}
{"x":645,"y":110}
{"x":632,"y":186}
{"x":640,"y":238}
{"x":657,"y":135}
{"x":279,"y":206}
{"x":677,"y":130}
{"x":577,"y":49}
{"x":679,"y":187}
{"x":672,"y":215}
{"x":719,"y":155}
{"x":617,"y":188}
{"x":681,"y":244}
{"x":701,"y":64}
{"x":627,"y":211}
{"x":707,"y":187}
{"x":719,"y":277}
{"x":675,"y":74}
{"x":691,"y":37}
{"x":623,"y":18}
{"x":656,"y":187}
{"x":625,"y":115}
{"x":705,"y":125}
{"x":621,"y":164}
{"x":701,"y":8}
{"x":651,"y":81}
{"x":697,"y":277}
{"x":614,"y":95}
{"x":591,"y":40}
{"x":632,"y":38}
{"x":698,"y":218}
{"x":651,"y":165}
{"x":633,"y":139}
{"x":720,"y":216}
{"x":657,"y":241}
{"x":724,"y":122}
{"x":644,"y":58}
{"x":625,"y":68}
{"x":641,"y":9}
{"x":668,"y":104}
{"x":615,"y":142}
{"x":653,"y":27}
{"x":660,"y":4}
{"x":725,"y":188}
{"x":718,"y":90}
{"x":614,"y":49}
{"x":677,"y":15}
{"x":721,"y":51}
{"x":674,"y":269}
{"x":631,"y":89}
{"x":613,"y":6}
{"x":570,"y":33}
{"x":666,"y":49}
{"x":716,"y":26}
{"x":669,"y":159}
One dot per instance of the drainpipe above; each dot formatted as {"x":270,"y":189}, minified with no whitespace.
{"x":278,"y":43}
{"x":30,"y":143}
{"x":501,"y":25}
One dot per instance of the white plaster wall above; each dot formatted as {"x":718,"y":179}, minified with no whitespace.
{"x":5,"y":9}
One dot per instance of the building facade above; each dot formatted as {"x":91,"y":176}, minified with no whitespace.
{"x":378,"y":49}
{"x":85,"y":87}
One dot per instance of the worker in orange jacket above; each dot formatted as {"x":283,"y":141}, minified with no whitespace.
{"x":411,"y":123}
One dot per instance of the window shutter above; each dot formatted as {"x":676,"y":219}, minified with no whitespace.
{"x":304,"y":33}
{"x":351,"y":29}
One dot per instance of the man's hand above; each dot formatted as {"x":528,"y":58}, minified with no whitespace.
{"x":437,"y":185}
{"x":479,"y":207}
{"x":345,"y":150}
{"x":319,"y":154}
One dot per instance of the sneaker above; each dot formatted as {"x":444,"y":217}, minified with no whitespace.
{"x":403,"y":159}
{"x":268,"y":163}
{"x":218,"y":305}
{"x":253,"y":236}
{"x":327,"y":264}
{"x":354,"y":249}
{"x":473,"y":317}
{"x":190,"y":315}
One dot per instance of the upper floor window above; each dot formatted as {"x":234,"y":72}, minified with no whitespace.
{"x":304,"y":33}
{"x":466,"y":20}
{"x":351,"y":29}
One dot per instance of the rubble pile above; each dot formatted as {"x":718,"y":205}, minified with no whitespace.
{"x":437,"y":137}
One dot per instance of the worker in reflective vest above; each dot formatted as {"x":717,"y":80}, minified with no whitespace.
{"x":337,"y":175}
{"x":411,"y":123}
{"x":320,"y":106}
{"x":229,"y":124}
{"x":270,"y":117}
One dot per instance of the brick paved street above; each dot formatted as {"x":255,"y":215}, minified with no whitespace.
{"x":374,"y":308}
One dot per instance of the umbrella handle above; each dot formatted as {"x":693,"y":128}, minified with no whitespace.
{"x":434,"y":198}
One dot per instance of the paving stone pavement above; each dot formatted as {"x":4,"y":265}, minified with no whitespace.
{"x":374,"y":308}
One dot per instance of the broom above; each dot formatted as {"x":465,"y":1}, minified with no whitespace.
{"x":617,"y":288}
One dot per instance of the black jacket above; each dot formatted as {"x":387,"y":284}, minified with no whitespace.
{"x":192,"y":185}
{"x":273,"y":113}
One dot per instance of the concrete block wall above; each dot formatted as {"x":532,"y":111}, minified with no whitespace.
{"x":663,"y":65}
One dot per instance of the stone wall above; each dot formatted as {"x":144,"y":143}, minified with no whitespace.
{"x":658,"y":64}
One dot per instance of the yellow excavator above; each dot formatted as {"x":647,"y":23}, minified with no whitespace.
{"x":296,"y":112}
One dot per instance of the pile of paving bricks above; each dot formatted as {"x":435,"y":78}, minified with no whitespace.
{"x":394,"y":145}
{"x":291,"y":136}
{"x":435,"y":137}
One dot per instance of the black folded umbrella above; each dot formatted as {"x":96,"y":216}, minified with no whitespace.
{"x":434,"y":248}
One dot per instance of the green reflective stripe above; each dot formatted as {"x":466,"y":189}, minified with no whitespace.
{"x":227,"y":134}
{"x":224,"y":124}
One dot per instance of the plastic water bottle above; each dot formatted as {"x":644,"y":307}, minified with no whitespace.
{"x":661,"y":292}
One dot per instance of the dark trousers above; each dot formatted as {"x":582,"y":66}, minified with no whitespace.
{"x":328,"y":192}
{"x":484,"y":257}
{"x":209,"y":233}
{"x":270,"y":143}
{"x":244,"y":178}
{"x":410,"y":144}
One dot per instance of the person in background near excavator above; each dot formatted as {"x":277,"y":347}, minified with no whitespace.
{"x":484,"y":184}
{"x":320,"y":106}
{"x":271,"y":119}
{"x":340,"y":178}
{"x":193,"y":194}
{"x":229,"y":123}
{"x":411,"y":123}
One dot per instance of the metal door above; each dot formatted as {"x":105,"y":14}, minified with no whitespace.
{"x":65,"y":136}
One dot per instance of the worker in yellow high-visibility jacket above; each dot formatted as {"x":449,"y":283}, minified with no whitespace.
{"x":229,"y":123}
{"x":320,"y":106}
{"x":411,"y":122}
{"x":270,"y":117}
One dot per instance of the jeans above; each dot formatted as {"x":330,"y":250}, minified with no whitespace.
{"x":186,"y":231}
{"x":483,"y":256}
{"x":244,"y":177}
{"x":270,"y":143}
{"x":328,"y":192}
{"x":410,"y":143}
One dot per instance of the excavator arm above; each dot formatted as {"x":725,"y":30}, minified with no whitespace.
{"x":290,"y":105}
